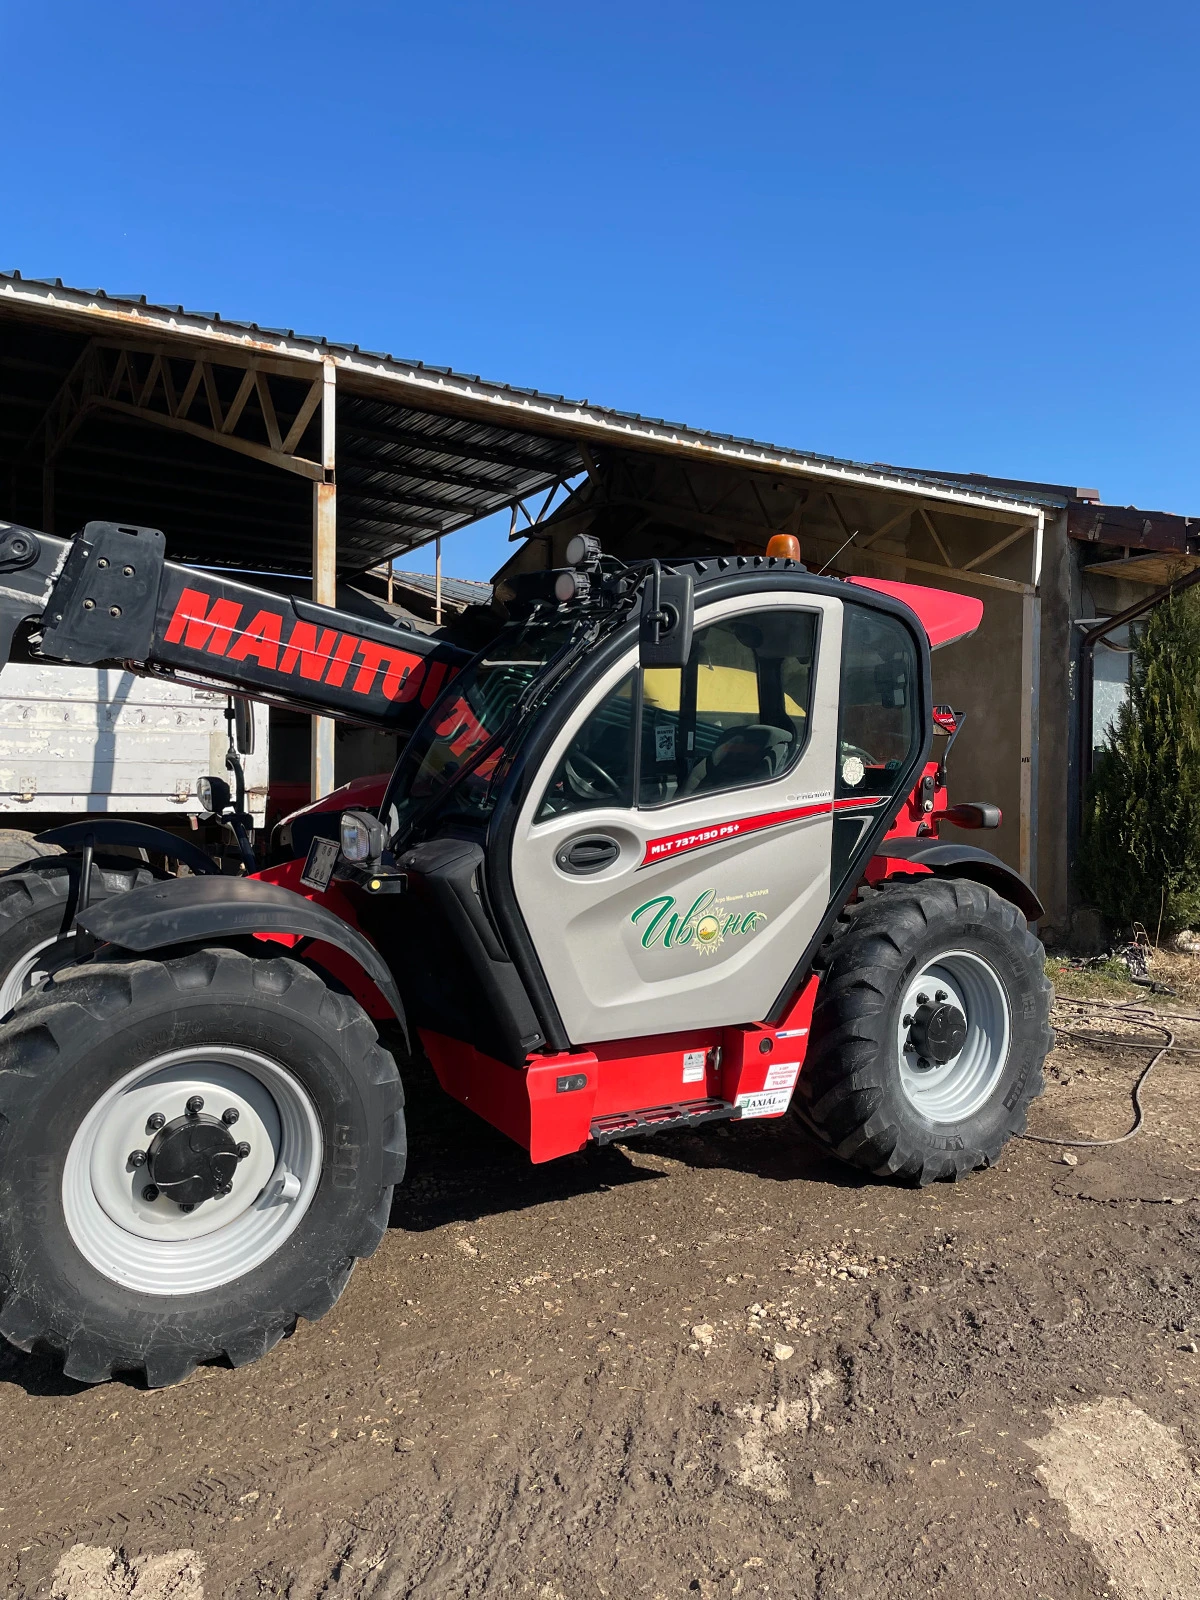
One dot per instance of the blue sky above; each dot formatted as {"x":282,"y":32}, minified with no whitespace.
{"x":946,"y":235}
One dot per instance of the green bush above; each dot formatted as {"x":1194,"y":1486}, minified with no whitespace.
{"x":1140,"y":855}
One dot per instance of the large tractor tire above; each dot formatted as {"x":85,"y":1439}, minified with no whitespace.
{"x":17,"y":846}
{"x":930,"y":1028}
{"x":37,"y":909}
{"x":193,"y":1153}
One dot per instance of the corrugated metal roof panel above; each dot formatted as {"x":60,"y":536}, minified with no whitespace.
{"x":662,"y":431}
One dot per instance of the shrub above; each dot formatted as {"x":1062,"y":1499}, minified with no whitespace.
{"x":1140,"y":855}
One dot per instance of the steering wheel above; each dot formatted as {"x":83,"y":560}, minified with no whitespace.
{"x":592,"y":782}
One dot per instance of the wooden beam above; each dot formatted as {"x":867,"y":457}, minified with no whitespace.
{"x":937,"y":539}
{"x":302,"y":467}
{"x":984,"y":578}
{"x":1001,"y":544}
{"x":892,"y":522}
{"x":324,"y":568}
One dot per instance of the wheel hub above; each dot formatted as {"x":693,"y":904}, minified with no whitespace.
{"x":192,"y":1159}
{"x":938,"y":1032}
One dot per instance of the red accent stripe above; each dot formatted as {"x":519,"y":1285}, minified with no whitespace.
{"x":680,"y":844}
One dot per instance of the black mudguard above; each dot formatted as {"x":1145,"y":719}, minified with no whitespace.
{"x":190,"y":910}
{"x":947,"y":860}
{"x":141,"y":835}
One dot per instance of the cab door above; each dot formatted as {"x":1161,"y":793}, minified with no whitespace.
{"x":673,"y":860}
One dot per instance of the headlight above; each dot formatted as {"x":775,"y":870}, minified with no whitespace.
{"x":362,"y":836}
{"x":213,"y":795}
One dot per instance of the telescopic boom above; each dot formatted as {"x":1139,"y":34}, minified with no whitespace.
{"x":109,"y":597}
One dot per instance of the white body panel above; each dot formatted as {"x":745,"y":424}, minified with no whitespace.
{"x":87,"y":739}
{"x":609,"y":983}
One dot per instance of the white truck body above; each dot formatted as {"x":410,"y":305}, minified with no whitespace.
{"x":92,"y":740}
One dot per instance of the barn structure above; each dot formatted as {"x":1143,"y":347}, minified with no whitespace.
{"x":270,"y":451}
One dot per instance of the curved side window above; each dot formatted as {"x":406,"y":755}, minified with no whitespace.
{"x":878,"y":718}
{"x":597,"y":769}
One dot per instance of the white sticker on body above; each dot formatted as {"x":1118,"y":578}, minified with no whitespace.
{"x":782,"y":1075}
{"x":769,"y":1103}
{"x":693,"y":1065}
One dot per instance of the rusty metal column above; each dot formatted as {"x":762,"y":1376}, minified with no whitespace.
{"x":324,"y":570}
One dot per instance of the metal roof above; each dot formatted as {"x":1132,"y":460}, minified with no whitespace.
{"x":424,"y":449}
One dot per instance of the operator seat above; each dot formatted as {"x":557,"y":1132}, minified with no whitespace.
{"x":745,"y":755}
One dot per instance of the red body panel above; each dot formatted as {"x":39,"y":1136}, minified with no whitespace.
{"x":621,"y":1076}
{"x":336,"y":962}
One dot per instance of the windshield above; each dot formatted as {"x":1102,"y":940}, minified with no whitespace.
{"x":472,"y":710}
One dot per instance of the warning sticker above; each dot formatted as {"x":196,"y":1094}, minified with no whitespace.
{"x":770,"y":1103}
{"x":664,"y":742}
{"x":782,"y":1075}
{"x":693,"y":1065}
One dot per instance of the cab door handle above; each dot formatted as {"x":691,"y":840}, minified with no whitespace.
{"x":588,"y":852}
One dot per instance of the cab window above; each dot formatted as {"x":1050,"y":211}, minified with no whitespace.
{"x":597,"y":769}
{"x":736,"y":715}
{"x":878,"y":726}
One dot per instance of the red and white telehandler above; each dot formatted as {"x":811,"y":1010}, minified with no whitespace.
{"x":667,"y":850}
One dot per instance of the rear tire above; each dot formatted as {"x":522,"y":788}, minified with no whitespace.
{"x":17,"y":846}
{"x":867,"y":1090}
{"x":37,"y":908}
{"x":110,"y":1278}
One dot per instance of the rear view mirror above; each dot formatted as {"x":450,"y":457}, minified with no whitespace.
{"x":665,"y":633}
{"x":243,"y":727}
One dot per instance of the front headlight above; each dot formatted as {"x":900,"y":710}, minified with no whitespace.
{"x":213,"y":795}
{"x":362,"y":836}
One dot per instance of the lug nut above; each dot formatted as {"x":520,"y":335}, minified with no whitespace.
{"x":230,"y":1117}
{"x":195,"y":1105}
{"x":940,"y":995}
{"x":137,"y":1158}
{"x":922,"y":999}
{"x":221,"y":1193}
{"x":186,"y":1208}
{"x":907,"y":1022}
{"x":922,"y":1062}
{"x":243,"y":1150}
{"x":150,"y":1192}
{"x":155,"y":1121}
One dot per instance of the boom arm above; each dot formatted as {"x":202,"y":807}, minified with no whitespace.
{"x":110,"y":598}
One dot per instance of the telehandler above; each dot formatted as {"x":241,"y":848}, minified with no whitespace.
{"x":663,"y":848}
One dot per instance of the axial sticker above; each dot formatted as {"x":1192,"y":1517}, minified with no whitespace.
{"x":703,"y":927}
{"x":768,"y":1103}
{"x":853,"y":771}
{"x":693,"y":1065}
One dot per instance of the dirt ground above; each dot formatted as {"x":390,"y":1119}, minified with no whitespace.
{"x":718,"y":1364}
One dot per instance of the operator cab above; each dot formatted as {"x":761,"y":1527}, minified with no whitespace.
{"x":599,"y":848}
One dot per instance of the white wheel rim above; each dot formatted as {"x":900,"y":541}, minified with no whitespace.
{"x":154,"y":1247}
{"x":956,"y":1089}
{"x":34,"y":967}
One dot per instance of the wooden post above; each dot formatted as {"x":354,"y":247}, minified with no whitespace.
{"x":1031,"y":647}
{"x":324,"y":570}
{"x":437,"y":581}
